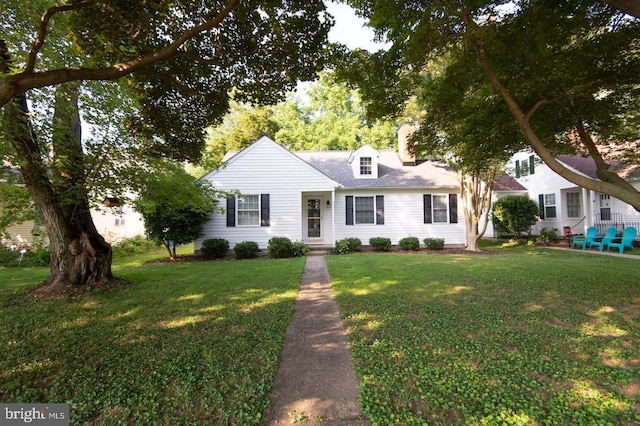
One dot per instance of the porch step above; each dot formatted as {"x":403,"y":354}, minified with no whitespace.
{"x":318,"y":250}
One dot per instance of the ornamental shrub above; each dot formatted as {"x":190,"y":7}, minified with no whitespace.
{"x":133,"y":246}
{"x":214,"y":248}
{"x":347,"y":245}
{"x":380,"y":243}
{"x":434,"y":243}
{"x":246,"y":250}
{"x":409,"y":243}
{"x":280,"y":247}
{"x":515,"y":213}
{"x":300,"y":248}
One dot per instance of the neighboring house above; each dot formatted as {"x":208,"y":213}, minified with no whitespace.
{"x":323,"y":196}
{"x":564,"y":204}
{"x":116,"y":221}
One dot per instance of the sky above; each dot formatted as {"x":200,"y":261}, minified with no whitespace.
{"x":349,"y":29}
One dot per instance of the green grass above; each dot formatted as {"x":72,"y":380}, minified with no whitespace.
{"x":184,"y":343}
{"x":524,"y":336}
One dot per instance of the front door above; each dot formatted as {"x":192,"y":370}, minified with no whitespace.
{"x":314,"y":212}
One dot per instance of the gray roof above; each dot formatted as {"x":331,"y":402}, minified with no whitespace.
{"x":391,"y":172}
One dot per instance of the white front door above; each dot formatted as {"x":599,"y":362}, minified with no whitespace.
{"x":313,"y":219}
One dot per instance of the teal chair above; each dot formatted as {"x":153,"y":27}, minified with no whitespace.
{"x":586,"y":239}
{"x":602,"y":242}
{"x":628,"y":236}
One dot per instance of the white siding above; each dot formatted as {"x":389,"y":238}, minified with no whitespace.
{"x":403,"y":217}
{"x":282,"y":175}
{"x":129,"y":224}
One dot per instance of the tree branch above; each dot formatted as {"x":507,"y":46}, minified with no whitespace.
{"x":44,"y":23}
{"x":618,"y":188}
{"x":18,"y":83}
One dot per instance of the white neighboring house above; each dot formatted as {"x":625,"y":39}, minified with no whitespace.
{"x":117,"y":222}
{"x":563,"y":204}
{"x":319,"y":197}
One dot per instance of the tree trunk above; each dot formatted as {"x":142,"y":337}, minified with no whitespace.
{"x":80,"y":257}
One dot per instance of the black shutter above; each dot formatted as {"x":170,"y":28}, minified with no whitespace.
{"x":541,"y":205}
{"x":264,"y":210}
{"x":517,"y":168}
{"x":453,"y":208}
{"x":379,"y":209}
{"x":349,"y":209}
{"x":231,"y":211}
{"x":426,"y":206}
{"x":532,"y":164}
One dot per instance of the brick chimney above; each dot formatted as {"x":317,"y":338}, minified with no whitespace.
{"x":406,"y":150}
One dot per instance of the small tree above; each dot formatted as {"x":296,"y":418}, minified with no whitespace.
{"x":516,"y":213}
{"x":175,"y":207}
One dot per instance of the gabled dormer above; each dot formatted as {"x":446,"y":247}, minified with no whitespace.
{"x":364,"y":162}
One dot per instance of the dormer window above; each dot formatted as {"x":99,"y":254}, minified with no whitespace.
{"x":364,"y":163}
{"x":366,"y":166}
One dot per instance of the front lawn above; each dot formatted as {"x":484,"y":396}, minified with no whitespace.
{"x":523,"y":336}
{"x":184,"y":343}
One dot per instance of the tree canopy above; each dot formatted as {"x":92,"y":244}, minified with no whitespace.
{"x":176,"y":64}
{"x":554,"y":68}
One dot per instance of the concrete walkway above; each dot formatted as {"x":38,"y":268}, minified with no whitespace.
{"x":315,"y":383}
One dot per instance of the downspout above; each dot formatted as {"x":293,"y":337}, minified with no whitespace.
{"x":333,"y":217}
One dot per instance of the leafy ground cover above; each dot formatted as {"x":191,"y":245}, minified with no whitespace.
{"x":525,"y":336}
{"x":183,"y":343}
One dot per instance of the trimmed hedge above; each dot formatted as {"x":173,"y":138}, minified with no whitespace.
{"x":347,"y":245}
{"x":246,"y":250}
{"x":214,"y":248}
{"x":380,"y":243}
{"x":280,"y":248}
{"x":409,"y":243}
{"x":434,"y":243}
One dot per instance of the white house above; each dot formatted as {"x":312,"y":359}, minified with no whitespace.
{"x":320,"y":197}
{"x":564,"y":204}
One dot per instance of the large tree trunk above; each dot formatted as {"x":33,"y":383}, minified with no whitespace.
{"x":80,"y":257}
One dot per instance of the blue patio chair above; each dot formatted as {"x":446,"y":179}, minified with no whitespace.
{"x":628,"y":236}
{"x":602,"y":242}
{"x":586,"y":239}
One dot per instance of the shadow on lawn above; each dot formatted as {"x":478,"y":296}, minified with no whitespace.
{"x":181,"y":351}
{"x":468,"y":342}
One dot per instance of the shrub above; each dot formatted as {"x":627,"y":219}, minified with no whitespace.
{"x":347,"y":245}
{"x":547,"y":236}
{"x":246,"y":250}
{"x":300,"y":248}
{"x":214,"y":248}
{"x":515,"y":213}
{"x":434,"y":243}
{"x":410,"y":243}
{"x":133,"y":246}
{"x":280,"y":247}
{"x":380,"y":243}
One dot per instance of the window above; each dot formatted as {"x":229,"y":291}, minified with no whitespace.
{"x":366,"y":166}
{"x":573,"y":204}
{"x":547,"y":204}
{"x":526,"y":167}
{"x":119,"y":221}
{"x":440,"y":212}
{"x":440,"y":208}
{"x":364,"y":210}
{"x":605,"y":209}
{"x":248,"y":210}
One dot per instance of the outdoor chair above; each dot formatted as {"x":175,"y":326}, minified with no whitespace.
{"x":602,"y":242}
{"x":628,"y":236}
{"x":586,"y":239}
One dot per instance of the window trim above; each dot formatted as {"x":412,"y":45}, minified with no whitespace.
{"x":255,"y":210}
{"x":366,"y":169}
{"x":428,"y":208}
